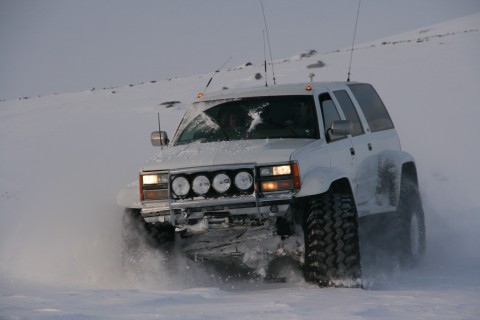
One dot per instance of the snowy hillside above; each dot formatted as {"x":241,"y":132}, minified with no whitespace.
{"x":64,"y":157}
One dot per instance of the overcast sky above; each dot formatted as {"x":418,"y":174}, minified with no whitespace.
{"x":56,"y":46}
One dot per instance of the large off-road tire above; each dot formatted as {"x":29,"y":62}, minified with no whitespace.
{"x":146,"y":247}
{"x":133,"y":227}
{"x":137,"y":234}
{"x":332,"y":252}
{"x":411,"y":219}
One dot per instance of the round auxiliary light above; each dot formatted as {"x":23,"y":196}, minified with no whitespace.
{"x":243,"y":180}
{"x":221,"y":182}
{"x":180,"y":186}
{"x":201,"y":185}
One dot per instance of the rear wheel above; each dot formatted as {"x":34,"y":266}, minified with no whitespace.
{"x":411,"y":219}
{"x":332,"y":252}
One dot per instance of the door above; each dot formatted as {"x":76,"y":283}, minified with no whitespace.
{"x":340,"y":148}
{"x":380,"y":137}
{"x":364,"y":182}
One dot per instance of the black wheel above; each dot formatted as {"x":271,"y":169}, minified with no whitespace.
{"x":137,"y":235}
{"x":332,"y":252}
{"x":133,"y":229}
{"x":411,"y":219}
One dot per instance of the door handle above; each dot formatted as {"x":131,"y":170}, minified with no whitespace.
{"x":352,"y":151}
{"x":369,"y":146}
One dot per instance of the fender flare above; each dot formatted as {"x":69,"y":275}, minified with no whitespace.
{"x":393,"y":162}
{"x":319,"y":180}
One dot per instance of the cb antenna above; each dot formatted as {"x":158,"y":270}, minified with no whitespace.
{"x":353,"y":41}
{"x":268,"y":40}
{"x":265,"y":59}
{"x":218,"y":70}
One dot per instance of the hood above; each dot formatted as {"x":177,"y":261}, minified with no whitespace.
{"x":225,"y":152}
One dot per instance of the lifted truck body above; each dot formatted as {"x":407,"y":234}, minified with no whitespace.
{"x":254,"y":190}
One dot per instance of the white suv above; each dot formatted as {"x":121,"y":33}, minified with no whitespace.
{"x":298,"y":172}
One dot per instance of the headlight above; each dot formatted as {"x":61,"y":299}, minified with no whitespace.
{"x":201,"y":185}
{"x":243,"y":180}
{"x":221,"y":182}
{"x":280,"y":177}
{"x":180,"y":186}
{"x":154,"y":186}
{"x":155,"y":178}
{"x":275,"y":170}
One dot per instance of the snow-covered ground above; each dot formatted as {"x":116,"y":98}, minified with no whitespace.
{"x":64,"y":157}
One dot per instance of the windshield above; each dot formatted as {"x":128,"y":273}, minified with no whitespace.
{"x":249,"y":118}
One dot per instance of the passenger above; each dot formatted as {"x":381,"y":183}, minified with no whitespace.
{"x":302,"y":118}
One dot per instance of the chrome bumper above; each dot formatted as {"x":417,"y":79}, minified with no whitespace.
{"x":198,"y":215}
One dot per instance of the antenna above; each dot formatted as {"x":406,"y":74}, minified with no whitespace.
{"x":268,"y":40}
{"x":218,"y":70}
{"x":265,"y":58}
{"x":353,"y":41}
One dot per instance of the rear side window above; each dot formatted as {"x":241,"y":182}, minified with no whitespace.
{"x":372,"y":106}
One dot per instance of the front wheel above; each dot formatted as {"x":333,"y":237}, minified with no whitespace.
{"x":332,"y":251}
{"x":137,"y":235}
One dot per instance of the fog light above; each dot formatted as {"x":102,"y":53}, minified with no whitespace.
{"x":201,"y":185}
{"x":221,"y":182}
{"x":243,"y":180}
{"x":180,"y":186}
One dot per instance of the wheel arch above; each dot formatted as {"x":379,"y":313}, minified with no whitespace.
{"x":394,"y":168}
{"x":409,"y":171}
{"x":341,"y":186}
{"x":321,"y":180}
{"x":301,"y":202}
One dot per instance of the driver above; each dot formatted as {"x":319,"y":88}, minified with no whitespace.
{"x":232,"y":118}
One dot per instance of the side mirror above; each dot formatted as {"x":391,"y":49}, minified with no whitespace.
{"x":341,"y":127}
{"x":159,"y":138}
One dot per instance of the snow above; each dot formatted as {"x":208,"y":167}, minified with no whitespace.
{"x":63,"y":158}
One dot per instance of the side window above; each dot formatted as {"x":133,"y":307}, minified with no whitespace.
{"x":349,"y":110}
{"x":372,"y":106}
{"x":329,"y":114}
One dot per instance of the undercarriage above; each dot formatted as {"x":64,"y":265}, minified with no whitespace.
{"x":215,"y":240}
{"x":253,"y":247}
